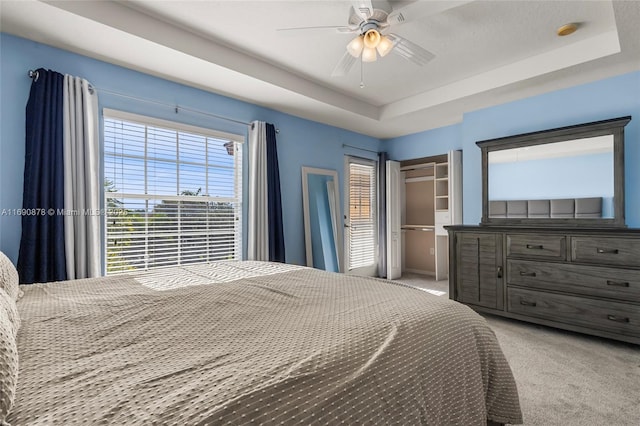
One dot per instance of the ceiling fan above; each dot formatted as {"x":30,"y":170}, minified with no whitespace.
{"x":371,"y":22}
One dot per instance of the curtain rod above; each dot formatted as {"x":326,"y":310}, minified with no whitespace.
{"x":344,"y":145}
{"x":175,"y":107}
{"x":35,"y":74}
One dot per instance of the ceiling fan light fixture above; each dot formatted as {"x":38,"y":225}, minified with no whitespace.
{"x":384,"y":47}
{"x":355,"y":46}
{"x":372,"y":39}
{"x":369,"y":54}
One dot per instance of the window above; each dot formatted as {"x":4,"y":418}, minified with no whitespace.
{"x":362,"y":230}
{"x":173,"y":193}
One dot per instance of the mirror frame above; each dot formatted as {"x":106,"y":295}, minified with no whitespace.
{"x":613,"y":127}
{"x":336,"y":220}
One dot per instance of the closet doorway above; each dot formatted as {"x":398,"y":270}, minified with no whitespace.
{"x":426,"y":195}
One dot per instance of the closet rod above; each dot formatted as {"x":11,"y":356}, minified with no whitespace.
{"x":417,"y":167}
{"x":344,"y":145}
{"x":35,"y":74}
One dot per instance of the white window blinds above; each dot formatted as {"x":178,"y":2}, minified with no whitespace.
{"x":362,"y":215}
{"x":173,"y":193}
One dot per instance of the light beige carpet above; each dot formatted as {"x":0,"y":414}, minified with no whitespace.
{"x":564,"y":378}
{"x":567,"y":378}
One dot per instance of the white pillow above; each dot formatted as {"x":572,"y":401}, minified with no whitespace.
{"x":8,"y":277}
{"x":8,"y":365}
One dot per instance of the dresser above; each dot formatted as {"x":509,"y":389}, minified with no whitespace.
{"x":584,"y":280}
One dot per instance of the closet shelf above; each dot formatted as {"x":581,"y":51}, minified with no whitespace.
{"x":417,"y":226}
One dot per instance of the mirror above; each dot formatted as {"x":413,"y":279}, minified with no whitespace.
{"x":578,"y":169}
{"x":571,"y":175}
{"x":321,"y":204}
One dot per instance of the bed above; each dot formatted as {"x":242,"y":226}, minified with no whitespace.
{"x":253,"y":343}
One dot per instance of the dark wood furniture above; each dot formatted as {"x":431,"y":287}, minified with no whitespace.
{"x":577,"y":272}
{"x":585,"y":280}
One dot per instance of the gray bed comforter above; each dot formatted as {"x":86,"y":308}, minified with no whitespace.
{"x":297,"y":345}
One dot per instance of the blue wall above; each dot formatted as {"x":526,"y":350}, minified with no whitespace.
{"x":613,"y":97}
{"x":425,"y":144}
{"x":303,"y":142}
{"x":300,"y":142}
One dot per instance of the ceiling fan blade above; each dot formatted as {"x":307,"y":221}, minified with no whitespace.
{"x":379,"y":15}
{"x":409,"y":50}
{"x":340,"y":29}
{"x":344,"y":65}
{"x":377,"y":10}
{"x":421,"y":9}
{"x":354,"y":18}
{"x":364,"y":8}
{"x":396,"y":18}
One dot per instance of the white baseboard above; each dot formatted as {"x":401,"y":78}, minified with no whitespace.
{"x":420,"y":272}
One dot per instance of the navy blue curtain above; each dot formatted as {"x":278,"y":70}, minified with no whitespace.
{"x":276,"y":233}
{"x":42,"y":256}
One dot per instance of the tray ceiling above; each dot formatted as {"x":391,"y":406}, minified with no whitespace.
{"x":487,"y":52}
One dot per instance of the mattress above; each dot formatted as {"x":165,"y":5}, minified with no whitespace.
{"x":254,"y":343}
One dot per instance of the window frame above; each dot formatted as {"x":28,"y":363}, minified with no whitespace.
{"x":238,"y":172}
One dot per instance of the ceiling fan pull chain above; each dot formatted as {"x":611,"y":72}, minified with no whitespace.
{"x":361,"y":73}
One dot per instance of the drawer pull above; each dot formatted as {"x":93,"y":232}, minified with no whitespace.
{"x":617,"y":319}
{"x":535,"y":246}
{"x":527,"y":303}
{"x":603,"y":251}
{"x":527,"y":274}
{"x":618,"y":283}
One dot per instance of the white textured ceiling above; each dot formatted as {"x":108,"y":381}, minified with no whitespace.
{"x":487,"y":52}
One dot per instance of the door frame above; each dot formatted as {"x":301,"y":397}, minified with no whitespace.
{"x":369,"y":270}
{"x":394,"y":219}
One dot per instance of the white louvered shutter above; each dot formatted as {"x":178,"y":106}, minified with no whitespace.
{"x":362,"y":215}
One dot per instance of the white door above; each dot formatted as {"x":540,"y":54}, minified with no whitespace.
{"x":394,"y":237}
{"x":361,"y":221}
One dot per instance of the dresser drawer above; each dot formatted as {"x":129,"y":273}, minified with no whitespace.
{"x":623,"y":284}
{"x":536,"y":246}
{"x":614,"y":317}
{"x":606,"y":251}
